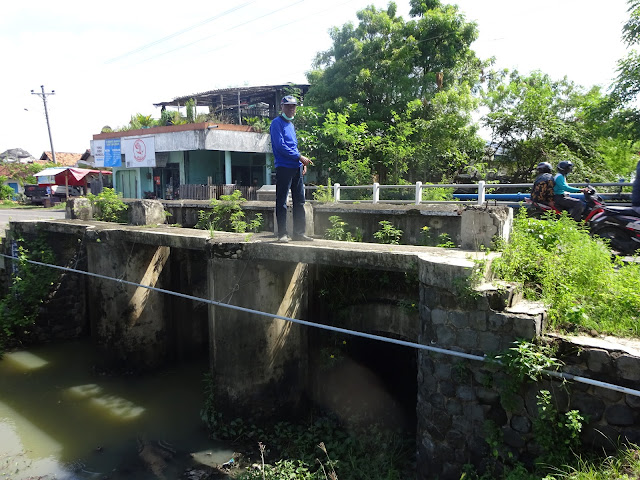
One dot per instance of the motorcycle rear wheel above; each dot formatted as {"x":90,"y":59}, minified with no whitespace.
{"x":618,"y":239}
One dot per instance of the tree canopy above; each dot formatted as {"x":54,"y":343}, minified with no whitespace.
{"x":395,"y":97}
{"x":397,"y":101}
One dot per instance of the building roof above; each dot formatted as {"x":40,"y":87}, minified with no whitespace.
{"x":64,"y":159}
{"x":261,"y":101}
{"x":16,"y":155}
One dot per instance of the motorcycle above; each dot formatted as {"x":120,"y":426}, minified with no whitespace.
{"x":595,"y":205}
{"x":621,"y":226}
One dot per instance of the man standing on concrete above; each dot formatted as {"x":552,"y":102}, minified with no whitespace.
{"x":290,"y":169}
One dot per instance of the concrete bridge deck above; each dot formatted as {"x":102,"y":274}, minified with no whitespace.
{"x":441,"y":265}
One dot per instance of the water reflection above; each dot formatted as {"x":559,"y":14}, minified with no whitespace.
{"x":57,"y":418}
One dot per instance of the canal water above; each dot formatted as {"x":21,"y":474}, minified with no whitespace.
{"x":60,"y":420}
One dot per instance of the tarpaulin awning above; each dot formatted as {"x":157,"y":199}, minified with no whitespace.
{"x":77,"y":176}
{"x":50,"y":172}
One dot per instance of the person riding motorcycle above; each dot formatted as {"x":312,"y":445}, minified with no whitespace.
{"x":542,"y":191}
{"x":561,"y":190}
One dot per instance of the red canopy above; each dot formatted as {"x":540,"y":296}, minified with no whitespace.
{"x":77,"y":176}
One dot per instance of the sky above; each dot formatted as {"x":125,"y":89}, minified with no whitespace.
{"x":109,"y":61}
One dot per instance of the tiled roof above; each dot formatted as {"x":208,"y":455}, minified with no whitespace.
{"x":63,"y":159}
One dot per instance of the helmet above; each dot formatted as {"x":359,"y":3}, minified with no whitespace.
{"x":544,"y":167}
{"x":289,"y":100}
{"x":565,"y":166}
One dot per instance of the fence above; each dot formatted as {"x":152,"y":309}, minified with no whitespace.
{"x":478,"y":194}
{"x":207,"y":192}
{"x":482,"y":191}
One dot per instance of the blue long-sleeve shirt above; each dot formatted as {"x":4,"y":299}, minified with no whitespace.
{"x":284,"y":143}
{"x":561,"y":186}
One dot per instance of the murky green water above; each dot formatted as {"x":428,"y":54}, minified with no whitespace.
{"x":60,"y":420}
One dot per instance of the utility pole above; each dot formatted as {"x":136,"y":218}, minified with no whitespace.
{"x":43,"y":95}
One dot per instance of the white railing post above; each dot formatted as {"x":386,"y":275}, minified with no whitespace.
{"x":376,"y":192}
{"x":418,"y":193}
{"x":481,"y":192}
{"x":336,"y":192}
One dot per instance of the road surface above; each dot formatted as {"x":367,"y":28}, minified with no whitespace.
{"x":7,"y":215}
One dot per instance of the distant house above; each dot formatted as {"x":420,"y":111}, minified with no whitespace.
{"x":16,"y":178}
{"x":16,"y":155}
{"x":64,"y":159}
{"x":197,"y":160}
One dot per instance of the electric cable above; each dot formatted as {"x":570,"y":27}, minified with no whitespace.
{"x":419,"y":346}
{"x":180,"y":32}
{"x":217,"y":33}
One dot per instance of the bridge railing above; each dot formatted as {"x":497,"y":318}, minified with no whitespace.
{"x":479,"y":192}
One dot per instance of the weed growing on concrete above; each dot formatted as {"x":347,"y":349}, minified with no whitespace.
{"x":109,"y":206}
{"x":388,"y":234}
{"x":444,"y":241}
{"x":227,"y":216}
{"x":338,"y":231}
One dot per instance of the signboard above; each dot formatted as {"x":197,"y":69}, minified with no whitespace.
{"x":139,"y":152}
{"x":112,"y":153}
{"x":97,"y":150}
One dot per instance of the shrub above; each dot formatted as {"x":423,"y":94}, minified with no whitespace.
{"x":574,"y":274}
{"x":110,"y":207}
{"x":227,"y":215}
{"x":338,"y":231}
{"x":30,"y":285}
{"x":388,"y":233}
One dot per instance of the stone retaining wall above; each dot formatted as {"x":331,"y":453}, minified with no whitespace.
{"x":457,"y":397}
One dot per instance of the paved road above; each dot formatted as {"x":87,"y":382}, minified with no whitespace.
{"x":6,"y":215}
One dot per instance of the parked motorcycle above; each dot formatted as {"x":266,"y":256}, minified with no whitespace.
{"x":621,"y":226}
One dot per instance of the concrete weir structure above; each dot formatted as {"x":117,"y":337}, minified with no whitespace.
{"x":262,"y":365}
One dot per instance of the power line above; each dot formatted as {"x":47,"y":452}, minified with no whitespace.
{"x":217,"y":33}
{"x":419,"y":346}
{"x":180,"y":32}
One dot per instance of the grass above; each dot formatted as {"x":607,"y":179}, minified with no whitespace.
{"x":624,"y":465}
{"x":584,"y":286}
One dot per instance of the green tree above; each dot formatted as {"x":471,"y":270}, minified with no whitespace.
{"x":379,"y":82}
{"x":534,"y":118}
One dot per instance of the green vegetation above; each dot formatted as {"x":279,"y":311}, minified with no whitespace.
{"x":29,"y":287}
{"x":556,"y":434}
{"x":388,"y":233}
{"x":574,"y":274}
{"x":324,"y":194}
{"x":362,"y":453}
{"x":339,"y":231}
{"x":109,"y":206}
{"x":6,"y":192}
{"x":227,"y":216}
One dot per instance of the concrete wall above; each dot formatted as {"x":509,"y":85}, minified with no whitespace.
{"x":468,"y":227}
{"x":260,"y":364}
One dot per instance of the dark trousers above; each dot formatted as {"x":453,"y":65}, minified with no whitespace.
{"x":572,"y":205}
{"x":290,"y":179}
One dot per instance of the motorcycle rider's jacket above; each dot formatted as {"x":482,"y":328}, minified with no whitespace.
{"x":561,"y":186}
{"x":542,"y":191}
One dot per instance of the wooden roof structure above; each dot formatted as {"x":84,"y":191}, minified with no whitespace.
{"x":236,"y":102}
